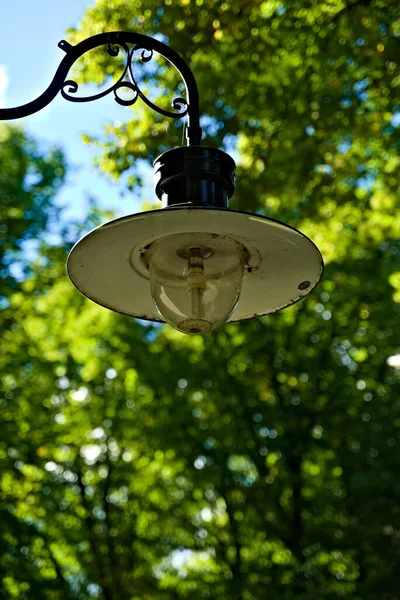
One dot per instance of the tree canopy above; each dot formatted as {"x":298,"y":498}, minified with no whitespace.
{"x":259,"y":461}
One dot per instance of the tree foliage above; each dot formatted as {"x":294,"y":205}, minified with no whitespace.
{"x":29,"y":179}
{"x":261,"y":460}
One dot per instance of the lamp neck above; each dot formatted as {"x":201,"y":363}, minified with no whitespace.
{"x":194,"y":176}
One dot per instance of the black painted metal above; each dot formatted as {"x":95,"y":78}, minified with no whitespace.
{"x":194,"y":176}
{"x":114,"y":41}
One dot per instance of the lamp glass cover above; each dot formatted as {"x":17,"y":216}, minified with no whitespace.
{"x":195,"y":279}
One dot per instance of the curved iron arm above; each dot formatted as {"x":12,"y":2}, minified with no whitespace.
{"x":114,"y":41}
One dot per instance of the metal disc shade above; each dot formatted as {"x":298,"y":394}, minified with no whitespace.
{"x":107,"y":264}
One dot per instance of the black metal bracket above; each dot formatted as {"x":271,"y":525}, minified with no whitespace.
{"x":116,"y":40}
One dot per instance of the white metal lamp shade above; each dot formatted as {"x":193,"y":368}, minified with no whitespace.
{"x":110,"y":265}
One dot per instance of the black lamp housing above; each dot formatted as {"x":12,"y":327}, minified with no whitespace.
{"x":194,"y":176}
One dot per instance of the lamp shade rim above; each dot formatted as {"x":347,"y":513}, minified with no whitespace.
{"x":284,"y":264}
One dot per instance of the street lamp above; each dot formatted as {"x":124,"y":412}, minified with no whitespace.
{"x":193,"y":263}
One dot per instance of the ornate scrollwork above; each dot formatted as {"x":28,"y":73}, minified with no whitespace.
{"x":127,"y":85}
{"x":131,"y":43}
{"x":180,"y":105}
{"x":70,"y":87}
